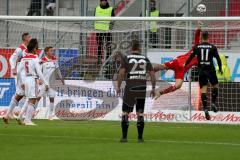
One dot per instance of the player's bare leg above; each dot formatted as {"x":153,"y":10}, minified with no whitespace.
{"x":160,"y":67}
{"x":172,"y":88}
{"x":204,"y":102}
{"x":124,"y":125}
{"x":214,"y":98}
{"x":51,"y":108}
{"x":140,"y":126}
{"x":13,"y":104}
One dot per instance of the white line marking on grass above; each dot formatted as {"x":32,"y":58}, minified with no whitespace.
{"x":117,"y":125}
{"x":196,"y":142}
{"x":115,"y":139}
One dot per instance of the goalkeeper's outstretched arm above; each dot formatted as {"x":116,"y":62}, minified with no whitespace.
{"x":197,"y":36}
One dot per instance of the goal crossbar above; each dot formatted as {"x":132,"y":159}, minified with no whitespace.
{"x":79,"y":18}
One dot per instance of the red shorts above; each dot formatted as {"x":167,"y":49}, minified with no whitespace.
{"x":179,"y":70}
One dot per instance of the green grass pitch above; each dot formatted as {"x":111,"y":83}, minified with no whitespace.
{"x":99,"y":140}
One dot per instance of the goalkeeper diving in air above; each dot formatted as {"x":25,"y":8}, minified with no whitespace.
{"x":177,"y":65}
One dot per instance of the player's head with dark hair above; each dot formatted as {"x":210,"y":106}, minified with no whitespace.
{"x":49,"y":50}
{"x":26,"y":37}
{"x":32,"y":45}
{"x":135,"y":45}
{"x":205,"y":35}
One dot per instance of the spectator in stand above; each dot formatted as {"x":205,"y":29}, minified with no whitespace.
{"x":36,"y":5}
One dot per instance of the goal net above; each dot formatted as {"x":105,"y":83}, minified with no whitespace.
{"x":89,"y":61}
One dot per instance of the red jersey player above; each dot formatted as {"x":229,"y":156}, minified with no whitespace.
{"x":177,"y":65}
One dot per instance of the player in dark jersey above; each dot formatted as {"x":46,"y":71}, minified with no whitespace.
{"x":134,"y":69}
{"x":205,"y":52}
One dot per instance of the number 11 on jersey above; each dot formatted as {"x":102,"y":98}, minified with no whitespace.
{"x":204,"y":54}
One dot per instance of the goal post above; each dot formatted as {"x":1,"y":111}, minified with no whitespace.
{"x":89,"y":61}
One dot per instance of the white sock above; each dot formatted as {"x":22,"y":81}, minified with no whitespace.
{"x":22,"y":102}
{"x":23,"y":110}
{"x":36,"y":105}
{"x":51,"y":109}
{"x":13,"y":104}
{"x":29,"y":113}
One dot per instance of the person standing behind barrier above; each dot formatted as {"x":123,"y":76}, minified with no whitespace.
{"x":226,"y":76}
{"x":153,"y":25}
{"x":103,"y":10}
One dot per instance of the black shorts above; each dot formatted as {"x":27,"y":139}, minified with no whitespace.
{"x":206,"y":76}
{"x":134,"y":97}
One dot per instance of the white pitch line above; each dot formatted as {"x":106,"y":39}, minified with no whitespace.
{"x":115,"y":139}
{"x":89,"y":123}
{"x":115,"y":125}
{"x":197,"y":142}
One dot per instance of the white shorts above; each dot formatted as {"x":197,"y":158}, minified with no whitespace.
{"x":31,"y":87}
{"x":50,"y":93}
{"x":19,"y":87}
{"x":19,"y":79}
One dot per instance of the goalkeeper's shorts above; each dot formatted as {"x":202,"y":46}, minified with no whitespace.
{"x":179,"y":71}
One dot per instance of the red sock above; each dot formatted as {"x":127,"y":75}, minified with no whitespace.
{"x":169,"y":89}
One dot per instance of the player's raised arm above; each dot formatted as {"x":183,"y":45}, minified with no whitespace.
{"x":197,"y":38}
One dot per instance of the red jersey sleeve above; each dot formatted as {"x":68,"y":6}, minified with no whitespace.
{"x":54,"y":58}
{"x":197,"y":36}
{"x":43,"y":60}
